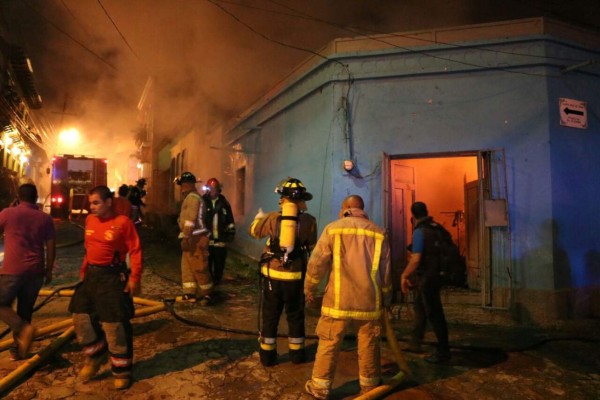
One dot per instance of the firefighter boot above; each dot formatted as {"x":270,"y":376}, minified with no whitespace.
{"x":91,"y":366}
{"x":268,"y":358}
{"x":122,"y":382}
{"x":316,"y":391}
{"x":298,"y":356}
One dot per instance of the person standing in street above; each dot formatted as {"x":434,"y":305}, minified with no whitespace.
{"x":27,"y":231}
{"x":292,"y":234}
{"x":195,"y":275}
{"x":425,"y":260}
{"x":121,"y":205}
{"x":102,"y":304}
{"x":220,"y":220}
{"x":353,"y":254}
{"x":135,"y":196}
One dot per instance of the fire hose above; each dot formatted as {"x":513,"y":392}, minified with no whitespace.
{"x":40,"y":357}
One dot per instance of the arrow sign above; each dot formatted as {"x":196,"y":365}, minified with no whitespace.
{"x":569,"y":111}
{"x":573,"y":113}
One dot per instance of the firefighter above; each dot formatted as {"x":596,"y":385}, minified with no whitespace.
{"x":220,"y":220}
{"x":135,"y":196}
{"x":353,"y":254}
{"x":102,"y":304}
{"x":195,"y":275}
{"x":292,"y":235}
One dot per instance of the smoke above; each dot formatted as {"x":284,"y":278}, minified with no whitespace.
{"x":209,"y":59}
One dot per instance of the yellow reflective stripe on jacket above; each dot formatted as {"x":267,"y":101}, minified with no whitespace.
{"x":341,"y":314}
{"x":281,"y":275}
{"x":335,"y":312}
{"x":375,"y":269}
{"x":336,"y":268}
{"x":356,"y":232}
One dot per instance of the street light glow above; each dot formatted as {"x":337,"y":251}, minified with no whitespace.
{"x":69,"y":137}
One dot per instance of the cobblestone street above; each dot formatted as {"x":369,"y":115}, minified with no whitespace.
{"x":207,"y":354}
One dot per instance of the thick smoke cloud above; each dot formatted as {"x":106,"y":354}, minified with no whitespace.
{"x":207,"y":65}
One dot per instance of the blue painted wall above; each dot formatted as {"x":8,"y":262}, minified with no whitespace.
{"x":575,"y":183}
{"x":439,"y":100}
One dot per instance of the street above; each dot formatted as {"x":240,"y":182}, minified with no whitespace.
{"x":212,"y":352}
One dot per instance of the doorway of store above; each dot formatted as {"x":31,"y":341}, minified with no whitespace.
{"x":466,"y":193}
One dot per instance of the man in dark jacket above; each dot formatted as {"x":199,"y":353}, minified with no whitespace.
{"x":219,"y":220}
{"x":425,"y":260}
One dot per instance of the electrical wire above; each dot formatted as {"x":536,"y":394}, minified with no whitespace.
{"x":361,"y":31}
{"x":117,"y":28}
{"x":58,"y":28}
{"x":262,"y":35}
{"x":299,"y":14}
{"x":423,"y":52}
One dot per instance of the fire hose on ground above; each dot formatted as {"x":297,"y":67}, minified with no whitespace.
{"x":151,"y":307}
{"x":41,"y":356}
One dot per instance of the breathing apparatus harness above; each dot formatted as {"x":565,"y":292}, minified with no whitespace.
{"x":283,"y":244}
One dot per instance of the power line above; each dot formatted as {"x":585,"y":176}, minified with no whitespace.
{"x":74,"y":17}
{"x":117,"y":28}
{"x":55,"y":26}
{"x":413,"y":51}
{"x":302,"y":15}
{"x":361,"y":31}
{"x":236,"y":18}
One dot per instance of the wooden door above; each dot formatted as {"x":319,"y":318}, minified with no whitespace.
{"x":402,"y":197}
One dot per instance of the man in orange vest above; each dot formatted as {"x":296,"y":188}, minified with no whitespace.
{"x":102,"y":304}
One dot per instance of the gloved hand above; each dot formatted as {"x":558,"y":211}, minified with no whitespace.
{"x":229,"y":233}
{"x":260,"y":214}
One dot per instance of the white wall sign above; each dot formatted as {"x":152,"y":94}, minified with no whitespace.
{"x":573,"y":113}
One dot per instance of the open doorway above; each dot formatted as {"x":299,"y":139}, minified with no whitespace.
{"x":466,"y":193}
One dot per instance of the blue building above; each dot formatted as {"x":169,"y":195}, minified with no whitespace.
{"x":495,"y":126}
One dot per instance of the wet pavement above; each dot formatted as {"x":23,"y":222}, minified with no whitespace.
{"x":211,"y":352}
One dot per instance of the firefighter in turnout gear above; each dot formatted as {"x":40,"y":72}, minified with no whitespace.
{"x":353,"y":254}
{"x":220,"y":220}
{"x":292,"y":234}
{"x":195,"y":275}
{"x":102,"y":304}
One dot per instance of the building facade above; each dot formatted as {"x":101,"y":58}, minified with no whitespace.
{"x":495,"y":126}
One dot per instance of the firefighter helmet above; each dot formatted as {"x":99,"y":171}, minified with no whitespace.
{"x":141,"y":182}
{"x":186,"y":177}
{"x":214,"y":182}
{"x":293,"y":189}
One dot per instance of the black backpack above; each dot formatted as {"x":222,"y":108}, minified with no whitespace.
{"x":452,"y":265}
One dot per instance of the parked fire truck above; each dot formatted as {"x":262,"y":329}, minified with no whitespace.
{"x":72,"y":178}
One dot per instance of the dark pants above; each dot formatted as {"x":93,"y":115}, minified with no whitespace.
{"x":101,"y":297}
{"x":216,"y":262}
{"x":24,"y":288}
{"x":277,"y":296}
{"x":428,"y":307}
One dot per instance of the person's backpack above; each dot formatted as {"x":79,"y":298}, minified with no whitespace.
{"x":452,"y":265}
